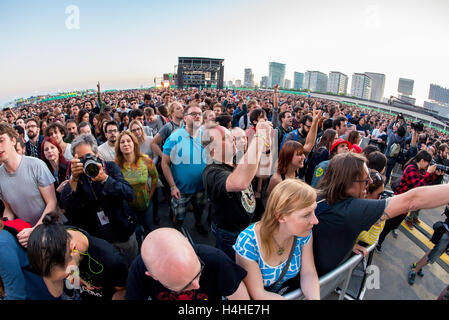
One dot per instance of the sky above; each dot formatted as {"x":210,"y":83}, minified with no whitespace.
{"x":46,"y":46}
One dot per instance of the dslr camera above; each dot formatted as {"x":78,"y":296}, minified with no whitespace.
{"x":417,"y":126}
{"x":90,"y":165}
{"x":440,"y":167}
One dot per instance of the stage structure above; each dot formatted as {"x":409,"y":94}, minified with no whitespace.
{"x":200,"y":72}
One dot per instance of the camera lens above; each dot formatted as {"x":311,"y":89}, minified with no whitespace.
{"x":91,"y":169}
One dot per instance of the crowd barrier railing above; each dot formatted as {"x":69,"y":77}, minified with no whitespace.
{"x":337,"y":278}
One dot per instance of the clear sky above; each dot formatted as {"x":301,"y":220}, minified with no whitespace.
{"x":125,"y":44}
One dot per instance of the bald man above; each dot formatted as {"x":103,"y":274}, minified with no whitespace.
{"x":170,"y":268}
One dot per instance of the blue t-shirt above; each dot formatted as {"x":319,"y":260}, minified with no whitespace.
{"x":187,"y":160}
{"x":20,"y":284}
{"x":248,"y":247}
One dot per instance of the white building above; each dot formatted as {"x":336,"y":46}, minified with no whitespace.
{"x":361,"y":86}
{"x":337,"y":83}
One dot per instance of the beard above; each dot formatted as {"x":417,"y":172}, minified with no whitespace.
{"x":31,"y":135}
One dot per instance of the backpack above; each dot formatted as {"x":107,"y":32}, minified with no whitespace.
{"x":395,"y":149}
{"x":403,"y":156}
{"x":295,"y":137}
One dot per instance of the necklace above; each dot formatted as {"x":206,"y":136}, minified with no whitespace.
{"x":280,"y":249}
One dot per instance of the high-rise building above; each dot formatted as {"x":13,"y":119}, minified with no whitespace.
{"x":264,"y":82}
{"x":361,"y":86}
{"x":238,"y":83}
{"x":276,"y":74}
{"x":298,"y":80}
{"x":377,"y":85}
{"x":405,"y":86}
{"x":337,"y":83}
{"x":438,"y":93}
{"x":248,"y":80}
{"x":287,"y":84}
{"x":315,"y":81}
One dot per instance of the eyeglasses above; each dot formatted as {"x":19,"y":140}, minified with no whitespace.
{"x":367,"y":180}
{"x":112,"y":131}
{"x":31,"y":126}
{"x":197,"y":276}
{"x":195,"y":114}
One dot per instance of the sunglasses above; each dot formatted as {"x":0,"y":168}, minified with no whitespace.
{"x":367,"y":180}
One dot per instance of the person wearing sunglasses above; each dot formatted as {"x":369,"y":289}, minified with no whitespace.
{"x":343,"y":210}
{"x":170,"y":268}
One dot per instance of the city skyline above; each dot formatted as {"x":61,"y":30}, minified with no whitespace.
{"x":126,"y":44}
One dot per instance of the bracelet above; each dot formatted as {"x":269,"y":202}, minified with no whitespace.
{"x":171,"y":188}
{"x":264,"y":139}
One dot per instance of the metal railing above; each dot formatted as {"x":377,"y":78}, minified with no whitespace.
{"x":337,"y":278}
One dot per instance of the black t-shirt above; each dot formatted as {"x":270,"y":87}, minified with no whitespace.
{"x":221,"y":277}
{"x":338,"y":228}
{"x":231,"y":211}
{"x":98,"y":280}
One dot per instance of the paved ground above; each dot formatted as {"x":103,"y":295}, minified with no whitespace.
{"x":393,"y":263}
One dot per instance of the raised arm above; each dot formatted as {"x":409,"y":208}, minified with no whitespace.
{"x":275,"y":113}
{"x":245,"y":171}
{"x":311,"y":136}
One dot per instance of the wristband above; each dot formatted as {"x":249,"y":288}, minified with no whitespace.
{"x":264,"y":139}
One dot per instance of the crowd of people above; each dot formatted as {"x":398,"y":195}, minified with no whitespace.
{"x":292,"y":187}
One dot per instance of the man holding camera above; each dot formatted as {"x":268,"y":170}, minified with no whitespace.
{"x":96,"y":196}
{"x":396,"y":142}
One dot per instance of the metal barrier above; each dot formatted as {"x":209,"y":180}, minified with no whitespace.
{"x":339,"y":277}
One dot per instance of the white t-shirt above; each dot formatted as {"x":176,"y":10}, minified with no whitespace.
{"x":106,"y":152}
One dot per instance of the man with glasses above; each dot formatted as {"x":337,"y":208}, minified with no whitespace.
{"x":107,"y":150}
{"x":170,"y":268}
{"x":183,"y":164}
{"x":33,"y":145}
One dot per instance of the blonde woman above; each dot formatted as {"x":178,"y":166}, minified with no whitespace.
{"x":137,"y":129}
{"x":263,"y":248}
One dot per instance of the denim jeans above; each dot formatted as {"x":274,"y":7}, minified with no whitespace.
{"x":225,"y":240}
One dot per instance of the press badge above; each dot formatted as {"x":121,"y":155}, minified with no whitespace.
{"x":102,"y":217}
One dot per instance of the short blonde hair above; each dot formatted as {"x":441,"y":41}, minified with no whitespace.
{"x":287,"y":197}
